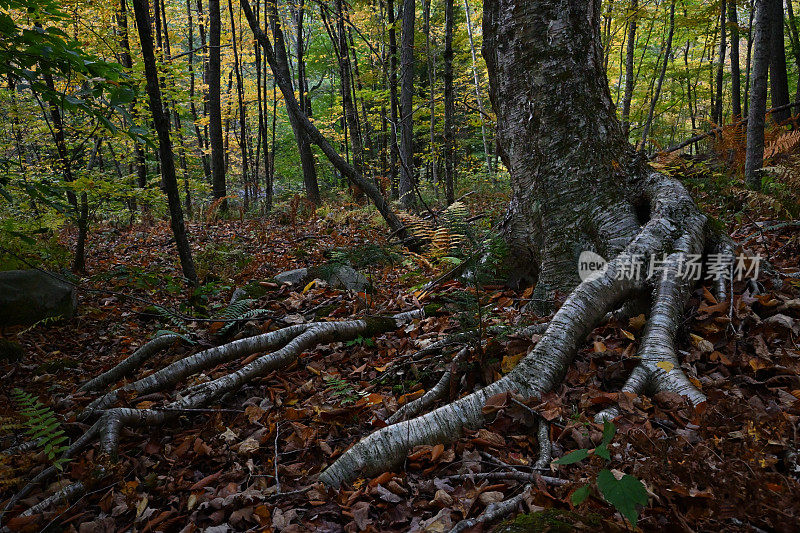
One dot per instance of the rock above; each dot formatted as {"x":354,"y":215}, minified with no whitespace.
{"x":28,"y":296}
{"x":336,"y":275}
{"x":347,"y":278}
{"x":292,"y":277}
{"x":238,"y":294}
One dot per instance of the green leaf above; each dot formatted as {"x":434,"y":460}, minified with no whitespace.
{"x":624,"y":494}
{"x":609,"y":430}
{"x":572,"y":457}
{"x":580,"y":495}
{"x":602,"y":451}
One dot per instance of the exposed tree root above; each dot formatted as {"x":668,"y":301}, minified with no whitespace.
{"x":289,"y":343}
{"x":675,"y":229}
{"x":493,"y":511}
{"x":437,"y":392}
{"x":131,"y":363}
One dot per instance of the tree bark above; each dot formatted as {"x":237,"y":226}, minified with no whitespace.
{"x":794,"y":37}
{"x":307,"y":162}
{"x":723,"y":41}
{"x":192,"y":107}
{"x":667,"y":51}
{"x":346,"y":83}
{"x":576,"y":185}
{"x":213,"y":79}
{"x":476,"y":79}
{"x":736,"y":80}
{"x":449,"y":106}
{"x":406,"y":188}
{"x":629,"y":81}
{"x":161,"y":121}
{"x":754,"y":154}
{"x":237,"y":67}
{"x":778,"y":78}
{"x":279,"y":72}
{"x":394,"y":147}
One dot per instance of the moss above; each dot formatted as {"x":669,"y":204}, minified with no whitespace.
{"x":550,"y":520}
{"x":378,"y":325}
{"x":255,"y":290}
{"x":325,"y":311}
{"x":10,"y":351}
{"x":55,"y":365}
{"x":432,"y":309}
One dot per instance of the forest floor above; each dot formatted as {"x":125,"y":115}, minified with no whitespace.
{"x":251,"y":461}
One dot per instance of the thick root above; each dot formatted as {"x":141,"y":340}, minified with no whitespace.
{"x":296,"y":339}
{"x":437,"y":392}
{"x":131,"y":363}
{"x":675,"y":226}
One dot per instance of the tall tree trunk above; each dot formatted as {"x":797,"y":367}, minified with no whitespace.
{"x":406,"y":188}
{"x":736,"y":80}
{"x":426,"y":17}
{"x":754,"y":155}
{"x":307,"y":162}
{"x":348,"y":104}
{"x":280,"y":74}
{"x":237,"y":67}
{"x":476,"y":79}
{"x":449,"y":105}
{"x":748,"y":62}
{"x":723,"y":41}
{"x":576,"y":184}
{"x":394,"y":147}
{"x":778,"y":78}
{"x":629,"y":56}
{"x":213,"y":79}
{"x":667,"y":51}
{"x":192,"y":107}
{"x":138,"y":151}
{"x":794,"y":37}
{"x":161,"y":121}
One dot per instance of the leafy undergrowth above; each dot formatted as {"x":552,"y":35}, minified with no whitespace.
{"x":251,"y":462}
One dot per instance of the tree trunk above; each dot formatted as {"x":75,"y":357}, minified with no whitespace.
{"x":307,"y":162}
{"x":794,"y":37}
{"x":576,"y":185}
{"x":406,"y":188}
{"x":778,"y":78}
{"x":161,"y":121}
{"x":431,"y":165}
{"x":192,"y":106}
{"x":394,"y":147}
{"x":138,"y":151}
{"x":754,"y":155}
{"x":629,"y":81}
{"x":279,"y":72}
{"x":237,"y":67}
{"x":214,"y":103}
{"x":723,"y":42}
{"x":449,"y":105}
{"x":476,"y":79}
{"x":667,"y":51}
{"x":736,"y":80}
{"x":348,"y":104}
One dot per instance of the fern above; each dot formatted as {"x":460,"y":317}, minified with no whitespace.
{"x":239,"y":311}
{"x":42,"y":426}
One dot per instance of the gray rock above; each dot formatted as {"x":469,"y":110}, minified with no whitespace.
{"x":336,"y":275}
{"x":347,"y":278}
{"x":28,"y":296}
{"x":292,"y":277}
{"x":238,"y":294}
